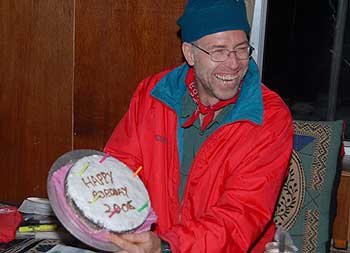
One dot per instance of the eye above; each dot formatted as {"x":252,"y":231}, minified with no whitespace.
{"x":219,"y":51}
{"x":240,"y":49}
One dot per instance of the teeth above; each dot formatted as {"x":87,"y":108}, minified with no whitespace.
{"x":225,"y":77}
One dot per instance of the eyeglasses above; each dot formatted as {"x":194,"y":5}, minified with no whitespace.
{"x":220,"y":55}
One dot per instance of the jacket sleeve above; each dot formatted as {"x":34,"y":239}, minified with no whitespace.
{"x":245,"y":207}
{"x":124,"y":142}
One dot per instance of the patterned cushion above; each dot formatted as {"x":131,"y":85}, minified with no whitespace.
{"x":304,"y":204}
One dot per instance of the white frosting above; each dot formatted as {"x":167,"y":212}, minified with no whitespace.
{"x":113,"y":182}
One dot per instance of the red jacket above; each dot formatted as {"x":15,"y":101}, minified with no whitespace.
{"x":235,"y":178}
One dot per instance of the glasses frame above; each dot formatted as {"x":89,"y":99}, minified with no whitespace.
{"x":251,"y":49}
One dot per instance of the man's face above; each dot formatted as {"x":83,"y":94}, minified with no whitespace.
{"x":217,"y":81}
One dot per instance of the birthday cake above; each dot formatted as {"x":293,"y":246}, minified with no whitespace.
{"x":106,"y":194}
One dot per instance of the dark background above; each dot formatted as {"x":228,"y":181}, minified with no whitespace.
{"x":298,"y":54}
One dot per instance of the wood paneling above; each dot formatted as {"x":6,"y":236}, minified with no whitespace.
{"x":118,"y":43}
{"x":341,"y":225}
{"x":67,"y":72}
{"x":36,"y":53}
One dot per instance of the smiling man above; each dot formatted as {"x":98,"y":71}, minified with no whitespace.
{"x":214,"y":142}
{"x":218,"y":78}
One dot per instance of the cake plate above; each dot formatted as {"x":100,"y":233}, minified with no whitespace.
{"x":74,"y":225}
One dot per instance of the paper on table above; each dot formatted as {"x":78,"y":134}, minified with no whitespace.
{"x":52,"y":235}
{"x":37,"y":206}
{"x":63,"y":249}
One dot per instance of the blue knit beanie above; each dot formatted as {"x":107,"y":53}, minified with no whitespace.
{"x":203,"y":17}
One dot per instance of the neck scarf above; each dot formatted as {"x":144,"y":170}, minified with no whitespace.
{"x":208,"y":111}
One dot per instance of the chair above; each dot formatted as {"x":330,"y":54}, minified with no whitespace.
{"x":306,"y":204}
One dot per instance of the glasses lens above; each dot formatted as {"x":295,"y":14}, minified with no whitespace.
{"x":243,"y":53}
{"x":219,"y":55}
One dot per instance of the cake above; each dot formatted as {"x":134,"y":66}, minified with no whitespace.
{"x":106,"y":194}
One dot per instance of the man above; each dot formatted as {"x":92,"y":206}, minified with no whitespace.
{"x":214,"y":143}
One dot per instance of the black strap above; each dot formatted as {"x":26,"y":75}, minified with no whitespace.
{"x":165,"y":246}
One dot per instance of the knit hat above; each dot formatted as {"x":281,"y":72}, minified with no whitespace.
{"x":203,"y":17}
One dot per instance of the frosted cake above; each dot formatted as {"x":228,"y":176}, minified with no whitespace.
{"x":106,"y":194}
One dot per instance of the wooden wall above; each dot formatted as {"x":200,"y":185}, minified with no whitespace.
{"x":67,"y":72}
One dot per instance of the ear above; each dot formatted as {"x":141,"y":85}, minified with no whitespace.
{"x":188,"y":53}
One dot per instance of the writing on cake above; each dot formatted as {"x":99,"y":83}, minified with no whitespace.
{"x":125,"y":207}
{"x":106,"y":193}
{"x":101,"y":178}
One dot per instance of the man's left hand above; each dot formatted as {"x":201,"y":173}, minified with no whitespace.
{"x":146,"y":242}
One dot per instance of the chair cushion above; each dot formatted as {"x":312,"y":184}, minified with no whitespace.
{"x":304,"y":204}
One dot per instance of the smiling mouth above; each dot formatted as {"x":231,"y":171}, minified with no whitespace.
{"x":226,"y":78}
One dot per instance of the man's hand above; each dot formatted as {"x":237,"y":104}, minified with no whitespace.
{"x":146,"y":242}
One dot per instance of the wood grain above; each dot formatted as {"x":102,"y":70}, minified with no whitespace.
{"x":341,"y":225}
{"x":118,"y":43}
{"x":36,"y":55}
{"x":67,"y":74}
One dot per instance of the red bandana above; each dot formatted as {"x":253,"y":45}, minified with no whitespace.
{"x":208,"y":112}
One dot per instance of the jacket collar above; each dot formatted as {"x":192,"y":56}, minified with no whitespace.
{"x":249,"y":106}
